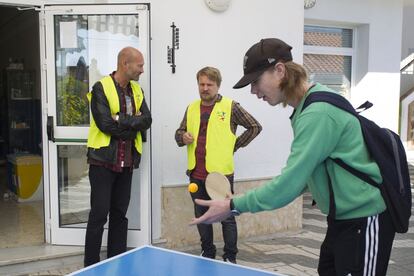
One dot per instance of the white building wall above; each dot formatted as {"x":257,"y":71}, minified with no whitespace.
{"x":407,"y":45}
{"x":219,"y":40}
{"x":378,"y":43}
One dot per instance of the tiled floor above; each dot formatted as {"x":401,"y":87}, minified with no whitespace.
{"x":21,"y":223}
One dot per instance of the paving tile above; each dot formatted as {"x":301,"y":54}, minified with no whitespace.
{"x":293,"y":251}
{"x":311,"y":250}
{"x":305,"y":269}
{"x":288,"y":270}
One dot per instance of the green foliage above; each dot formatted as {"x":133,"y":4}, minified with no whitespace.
{"x":72,"y":104}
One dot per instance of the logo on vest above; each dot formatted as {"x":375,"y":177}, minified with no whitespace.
{"x":221,"y":115}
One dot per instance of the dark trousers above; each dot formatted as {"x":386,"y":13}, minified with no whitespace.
{"x":357,"y":246}
{"x":110,"y":193}
{"x":229,"y":227}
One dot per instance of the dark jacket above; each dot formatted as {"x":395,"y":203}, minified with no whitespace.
{"x":126,"y":128}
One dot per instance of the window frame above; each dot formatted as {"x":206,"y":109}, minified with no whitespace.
{"x":329,"y":50}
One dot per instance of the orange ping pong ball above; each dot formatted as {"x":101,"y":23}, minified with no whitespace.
{"x":192,"y":188}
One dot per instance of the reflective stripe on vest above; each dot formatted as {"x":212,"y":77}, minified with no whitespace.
{"x":98,"y":139}
{"x":220,"y":139}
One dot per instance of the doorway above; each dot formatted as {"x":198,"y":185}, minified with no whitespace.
{"x":81,"y":45}
{"x":43,"y":105}
{"x":21,"y":184}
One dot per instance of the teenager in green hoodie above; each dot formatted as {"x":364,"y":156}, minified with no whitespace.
{"x":359,"y":225}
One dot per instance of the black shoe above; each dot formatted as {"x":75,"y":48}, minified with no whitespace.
{"x":203,"y":254}
{"x":228,"y":260}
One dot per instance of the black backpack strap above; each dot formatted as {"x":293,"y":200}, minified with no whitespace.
{"x":344,"y":104}
{"x":355,"y":172}
{"x":331,"y":98}
{"x":364,"y":106}
{"x":332,"y":205}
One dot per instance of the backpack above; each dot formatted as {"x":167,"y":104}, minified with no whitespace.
{"x":387,"y":151}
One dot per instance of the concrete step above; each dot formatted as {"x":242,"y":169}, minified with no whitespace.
{"x":33,"y":260}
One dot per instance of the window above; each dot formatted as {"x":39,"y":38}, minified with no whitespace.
{"x":328,"y":56}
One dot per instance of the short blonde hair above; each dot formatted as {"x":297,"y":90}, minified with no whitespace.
{"x":211,"y":73}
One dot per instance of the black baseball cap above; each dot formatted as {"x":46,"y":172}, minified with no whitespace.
{"x":260,"y":57}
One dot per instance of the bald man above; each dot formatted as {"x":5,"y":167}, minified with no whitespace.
{"x":120,"y":115}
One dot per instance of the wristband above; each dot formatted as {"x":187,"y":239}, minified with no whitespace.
{"x":233,"y":210}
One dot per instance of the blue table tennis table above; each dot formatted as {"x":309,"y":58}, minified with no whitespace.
{"x":151,"y":261}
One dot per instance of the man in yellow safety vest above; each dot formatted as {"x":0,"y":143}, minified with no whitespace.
{"x":119,"y":117}
{"x":209,"y":131}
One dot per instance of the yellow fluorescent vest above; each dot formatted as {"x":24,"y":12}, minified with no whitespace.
{"x":220,"y":139}
{"x":98,"y":139}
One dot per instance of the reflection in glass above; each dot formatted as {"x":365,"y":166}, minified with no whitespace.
{"x":134,"y":214}
{"x":73,"y":184}
{"x":72,"y":82}
{"x":86,"y":48}
{"x":74,"y":189}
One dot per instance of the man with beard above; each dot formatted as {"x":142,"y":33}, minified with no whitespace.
{"x":209,"y":131}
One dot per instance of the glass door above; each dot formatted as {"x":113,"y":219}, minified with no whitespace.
{"x":82,"y":44}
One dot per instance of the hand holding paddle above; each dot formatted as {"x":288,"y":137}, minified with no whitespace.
{"x":218,"y":188}
{"x":218,"y":210}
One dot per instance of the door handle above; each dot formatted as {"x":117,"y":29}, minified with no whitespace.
{"x":50,"y":131}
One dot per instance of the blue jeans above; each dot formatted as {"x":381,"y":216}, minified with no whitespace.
{"x":229,"y":226}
